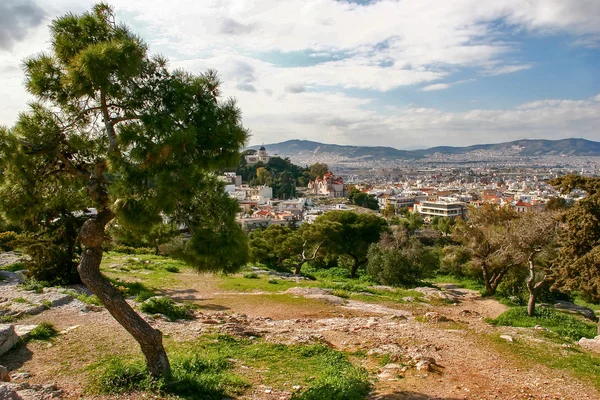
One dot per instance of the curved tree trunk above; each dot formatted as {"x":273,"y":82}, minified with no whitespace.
{"x":149,"y":339}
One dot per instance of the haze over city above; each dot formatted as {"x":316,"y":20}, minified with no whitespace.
{"x":407,"y":74}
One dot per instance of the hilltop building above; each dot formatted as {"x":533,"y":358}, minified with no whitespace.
{"x":260,"y":156}
{"x":329,"y":185}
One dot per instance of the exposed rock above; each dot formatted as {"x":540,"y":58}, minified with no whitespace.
{"x":433,"y":293}
{"x":590,"y":344}
{"x":11,"y":277}
{"x":435,"y":317}
{"x":469,"y":313}
{"x":508,"y":338}
{"x":408,"y":299}
{"x":23,"y":331}
{"x":8,"y":338}
{"x":20,"y":376}
{"x":4,"y":376}
{"x":8,"y":393}
{"x":568,"y":307}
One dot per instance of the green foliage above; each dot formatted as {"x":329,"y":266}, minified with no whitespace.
{"x":53,"y":249}
{"x":579,"y":254}
{"x":44,"y":331}
{"x":455,"y":261}
{"x":251,"y":275}
{"x":317,"y":170}
{"x":92,"y":300}
{"x":34,"y":285}
{"x":165,"y":306}
{"x":347,"y":233}
{"x":361,"y":199}
{"x":204,"y":369}
{"x":565,"y":325}
{"x":279,"y":173}
{"x":400,"y":260}
{"x":14,"y":267}
{"x":443,"y":224}
{"x":6,"y":240}
{"x":132,"y":250}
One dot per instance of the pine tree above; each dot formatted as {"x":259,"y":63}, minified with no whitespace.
{"x":114,"y":129}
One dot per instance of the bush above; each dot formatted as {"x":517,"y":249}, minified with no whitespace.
{"x":171,"y":268}
{"x":564,"y":325}
{"x":44,"y":331}
{"x":133,"y":250}
{"x":251,"y":275}
{"x":165,"y":306}
{"x":401,"y":266}
{"x":7,"y":240}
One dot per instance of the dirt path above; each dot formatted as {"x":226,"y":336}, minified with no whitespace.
{"x":466,"y":366}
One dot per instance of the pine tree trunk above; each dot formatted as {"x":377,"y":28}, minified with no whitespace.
{"x":298,"y":268}
{"x":149,"y":339}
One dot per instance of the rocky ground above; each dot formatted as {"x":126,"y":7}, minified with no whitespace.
{"x":440,"y":351}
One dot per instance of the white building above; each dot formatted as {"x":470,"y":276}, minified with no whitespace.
{"x":430,"y":209}
{"x":260,"y":156}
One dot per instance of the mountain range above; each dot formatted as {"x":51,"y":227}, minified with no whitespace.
{"x":537,"y":147}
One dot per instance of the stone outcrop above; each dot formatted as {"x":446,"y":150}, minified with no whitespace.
{"x":8,"y":338}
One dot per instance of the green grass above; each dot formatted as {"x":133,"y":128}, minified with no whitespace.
{"x":165,"y":306}
{"x":44,"y":331}
{"x":564,"y":325}
{"x":140,"y":291}
{"x":14,"y":267}
{"x":21,"y":300}
{"x":91,"y":300}
{"x":572,"y":360}
{"x":218,"y":366}
{"x":464,"y":283}
{"x":34,"y":285}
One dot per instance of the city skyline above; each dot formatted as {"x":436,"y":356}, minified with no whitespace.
{"x":406,"y":74}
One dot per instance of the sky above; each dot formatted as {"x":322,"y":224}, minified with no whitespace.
{"x":402,"y":73}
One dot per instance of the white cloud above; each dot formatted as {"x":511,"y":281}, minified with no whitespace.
{"x":380,"y":46}
{"x":437,"y":86}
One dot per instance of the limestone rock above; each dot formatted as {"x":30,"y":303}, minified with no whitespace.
{"x":8,"y":393}
{"x":508,"y":338}
{"x":8,"y":338}
{"x":435,"y":317}
{"x":590,"y":344}
{"x":23,"y":331}
{"x":568,"y":307}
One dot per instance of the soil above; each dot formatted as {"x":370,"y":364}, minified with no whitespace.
{"x":465,"y":365}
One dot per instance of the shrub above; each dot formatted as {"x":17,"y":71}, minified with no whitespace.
{"x":6,"y":240}
{"x":251,"y":275}
{"x":274,"y":281}
{"x":171,"y":268}
{"x":133,"y":250}
{"x":165,"y":306}
{"x":401,"y":266}
{"x":44,"y":331}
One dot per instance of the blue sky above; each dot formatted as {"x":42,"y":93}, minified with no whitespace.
{"x":402,"y":73}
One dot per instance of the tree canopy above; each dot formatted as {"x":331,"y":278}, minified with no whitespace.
{"x":350,"y":234}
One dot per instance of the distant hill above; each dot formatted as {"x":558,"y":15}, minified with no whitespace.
{"x":305,"y":149}
{"x":295,"y":148}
